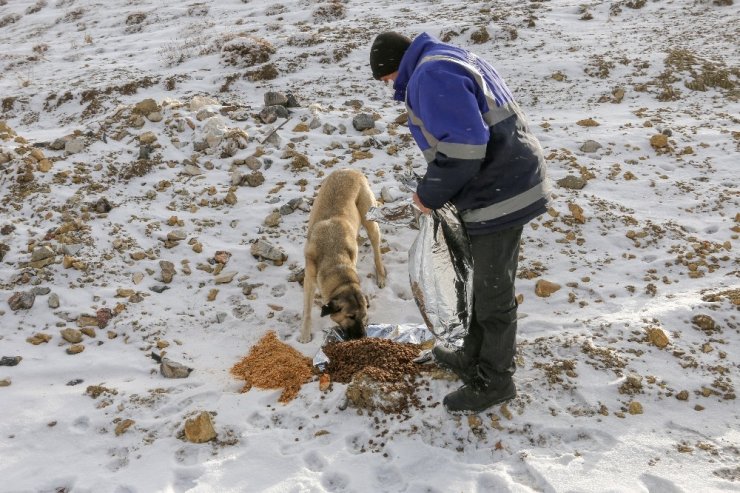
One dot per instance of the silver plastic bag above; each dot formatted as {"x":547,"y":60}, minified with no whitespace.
{"x":441,"y":274}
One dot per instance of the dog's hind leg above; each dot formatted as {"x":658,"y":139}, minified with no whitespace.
{"x":309,"y":288}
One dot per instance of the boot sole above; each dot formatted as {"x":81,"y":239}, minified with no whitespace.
{"x":467,"y":412}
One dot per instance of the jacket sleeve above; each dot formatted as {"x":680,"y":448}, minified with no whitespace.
{"x":446,"y":102}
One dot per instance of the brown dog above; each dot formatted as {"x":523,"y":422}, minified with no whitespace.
{"x":331,"y":252}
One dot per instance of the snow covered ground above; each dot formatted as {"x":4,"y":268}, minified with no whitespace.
{"x":135,"y":144}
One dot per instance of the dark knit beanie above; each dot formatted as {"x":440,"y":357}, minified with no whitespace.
{"x":386,"y":53}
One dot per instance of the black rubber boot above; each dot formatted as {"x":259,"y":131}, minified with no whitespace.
{"x":479,"y":395}
{"x":457,"y":361}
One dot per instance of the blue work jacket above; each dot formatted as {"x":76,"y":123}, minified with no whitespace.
{"x":480,"y":153}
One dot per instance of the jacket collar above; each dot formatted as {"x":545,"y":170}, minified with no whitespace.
{"x":415,"y":52}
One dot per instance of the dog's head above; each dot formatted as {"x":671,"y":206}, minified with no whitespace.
{"x":348,"y":308}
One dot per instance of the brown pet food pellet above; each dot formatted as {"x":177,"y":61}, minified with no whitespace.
{"x":272,"y":364}
{"x":383,"y":360}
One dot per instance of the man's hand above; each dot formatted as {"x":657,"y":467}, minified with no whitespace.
{"x":417,"y":202}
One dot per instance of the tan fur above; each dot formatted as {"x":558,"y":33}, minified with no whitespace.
{"x":331,"y":252}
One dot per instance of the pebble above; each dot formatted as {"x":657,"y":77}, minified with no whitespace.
{"x":10,"y":360}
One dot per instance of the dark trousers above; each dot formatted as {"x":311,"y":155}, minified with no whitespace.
{"x":491,"y":340}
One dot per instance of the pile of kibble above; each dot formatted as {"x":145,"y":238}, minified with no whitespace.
{"x":386,"y":361}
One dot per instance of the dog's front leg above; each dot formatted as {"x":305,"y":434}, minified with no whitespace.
{"x":309,"y":288}
{"x":373,"y":232}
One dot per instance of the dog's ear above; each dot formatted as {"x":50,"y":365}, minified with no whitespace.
{"x":330,"y":308}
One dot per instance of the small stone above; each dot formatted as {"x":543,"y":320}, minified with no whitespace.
{"x":572,"y":182}
{"x":39,"y":338}
{"x":172,"y":369}
{"x":74,"y":146}
{"x":75,"y":349}
{"x":159,"y":288}
{"x":659,"y":141}
{"x":658,"y":337}
{"x":683,"y":395}
{"x":225,"y":277}
{"x":254,"y":179}
{"x":273,"y":219}
{"x":363,"y":121}
{"x":635,"y":408}
{"x":123,"y":426}
{"x":200,"y":429}
{"x":162,"y":344}
{"x":147,"y":138}
{"x":10,"y":360}
{"x":544,"y":288}
{"x":230,"y":198}
{"x":41,"y":291}
{"x":177,"y":235}
{"x":212,"y":295}
{"x":263,"y":249}
{"x":222,"y":257}
{"x":168,"y":270}
{"x":21,"y":300}
{"x":89,"y":332}
{"x":274,"y":97}
{"x":221,"y":316}
{"x":71,"y":335}
{"x":590,"y":146}
{"x":42,"y":253}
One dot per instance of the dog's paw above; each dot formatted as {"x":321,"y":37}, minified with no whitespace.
{"x":304,"y":339}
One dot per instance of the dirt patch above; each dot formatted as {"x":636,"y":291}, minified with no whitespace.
{"x":272,"y":364}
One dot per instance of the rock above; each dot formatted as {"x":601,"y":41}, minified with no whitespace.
{"x":544,"y":288}
{"x":200,"y":429}
{"x":42,"y":253}
{"x":221,"y":316}
{"x":222,"y":257}
{"x":253,"y":163}
{"x":231,"y":198}
{"x":159,"y":288}
{"x":200,"y":102}
{"x":168,"y":271}
{"x":71,"y":335}
{"x":391,"y":194}
{"x":177,"y":235}
{"x":172,"y":369}
{"x":10,"y":360}
{"x":39,"y":338}
{"x":275,"y":98}
{"x":328,"y":128}
{"x":264,"y":250}
{"x":572,"y":182}
{"x":21,"y":300}
{"x":363,"y":121}
{"x":273,"y":219}
{"x":102,"y":206}
{"x":41,"y":291}
{"x":683,"y":395}
{"x":124,"y":425}
{"x":5,"y":382}
{"x":75,"y":349}
{"x":3,"y":250}
{"x":155,"y":116}
{"x":705,"y":323}
{"x":635,"y":408}
{"x":269,"y":114}
{"x":58,"y":144}
{"x":145,"y":107}
{"x":74,"y":146}
{"x":147,"y":138}
{"x":89,"y":332}
{"x":53,"y":301}
{"x":205,"y":114}
{"x":225,"y":277}
{"x":103,"y":317}
{"x":71,"y":249}
{"x":659,"y":141}
{"x":658,"y":337}
{"x":254,"y":179}
{"x":292,"y":101}
{"x":590,"y":146}
{"x":192,"y":170}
